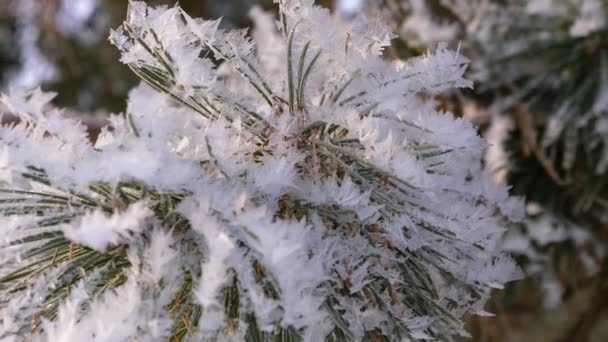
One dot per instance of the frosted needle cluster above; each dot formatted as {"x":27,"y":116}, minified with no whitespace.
{"x":284,"y":185}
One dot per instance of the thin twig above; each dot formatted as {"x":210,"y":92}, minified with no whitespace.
{"x":528,"y":133}
{"x":187,"y":325}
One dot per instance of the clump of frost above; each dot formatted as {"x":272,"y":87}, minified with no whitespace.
{"x":301,"y":188}
{"x":97,"y":231}
{"x":592,"y":18}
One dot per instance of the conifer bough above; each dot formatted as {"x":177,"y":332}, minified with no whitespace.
{"x":294,"y":189}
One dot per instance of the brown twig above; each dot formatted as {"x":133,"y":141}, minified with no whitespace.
{"x":530,"y":145}
{"x":187,"y":325}
{"x":54,"y":260}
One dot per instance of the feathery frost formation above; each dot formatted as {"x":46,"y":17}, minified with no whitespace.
{"x":542,"y":72}
{"x":298,"y":187}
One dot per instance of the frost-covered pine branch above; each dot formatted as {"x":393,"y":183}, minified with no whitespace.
{"x":293,"y":186}
{"x":546,"y":59}
{"x":542,"y":71}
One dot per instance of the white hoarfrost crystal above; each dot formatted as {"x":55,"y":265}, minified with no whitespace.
{"x":294,"y":186}
{"x":97,"y":231}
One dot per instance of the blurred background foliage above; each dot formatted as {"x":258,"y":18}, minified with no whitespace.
{"x":541,"y":99}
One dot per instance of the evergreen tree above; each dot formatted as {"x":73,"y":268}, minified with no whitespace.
{"x":301,"y":190}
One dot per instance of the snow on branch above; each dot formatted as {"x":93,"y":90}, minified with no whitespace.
{"x":294,"y":190}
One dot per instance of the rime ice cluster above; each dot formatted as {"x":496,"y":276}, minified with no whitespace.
{"x":293,"y":185}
